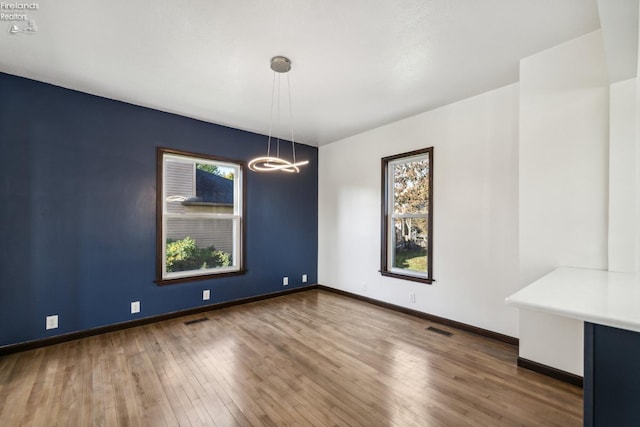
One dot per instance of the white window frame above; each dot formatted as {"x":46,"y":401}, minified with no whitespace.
{"x":237,"y":217}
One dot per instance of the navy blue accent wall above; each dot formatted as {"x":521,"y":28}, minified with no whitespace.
{"x":77,"y":211}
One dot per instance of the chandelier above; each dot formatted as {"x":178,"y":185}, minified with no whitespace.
{"x":270,"y":163}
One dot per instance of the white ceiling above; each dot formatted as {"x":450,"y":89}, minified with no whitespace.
{"x":357,"y":64}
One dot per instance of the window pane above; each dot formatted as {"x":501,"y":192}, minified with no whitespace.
{"x":214,"y":185}
{"x":411,"y":186}
{"x":410,"y":244}
{"x":195,"y":244}
{"x":198,"y":187}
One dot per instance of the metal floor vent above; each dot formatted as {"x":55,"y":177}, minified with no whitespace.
{"x":191,"y":322}
{"x":440,"y":331}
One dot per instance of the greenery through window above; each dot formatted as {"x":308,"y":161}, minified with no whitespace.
{"x":200,"y":218}
{"x":407,"y":209}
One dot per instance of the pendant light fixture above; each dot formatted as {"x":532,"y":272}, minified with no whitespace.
{"x":269,"y":163}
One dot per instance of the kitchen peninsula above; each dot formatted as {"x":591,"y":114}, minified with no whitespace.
{"x":609,"y":305}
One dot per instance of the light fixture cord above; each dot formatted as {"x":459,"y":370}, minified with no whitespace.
{"x":278,"y":126}
{"x":273,"y":90}
{"x":293,"y":141}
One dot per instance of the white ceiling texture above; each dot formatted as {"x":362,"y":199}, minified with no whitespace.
{"x":356,"y":64}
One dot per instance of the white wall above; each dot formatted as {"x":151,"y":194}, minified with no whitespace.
{"x":475,"y":211}
{"x":525,"y":181}
{"x":622,"y":176}
{"x":563,"y":187}
{"x":636,"y":183}
{"x":619,"y":23}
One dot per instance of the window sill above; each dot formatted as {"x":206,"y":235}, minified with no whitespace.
{"x":409,"y":277}
{"x":163,"y":282}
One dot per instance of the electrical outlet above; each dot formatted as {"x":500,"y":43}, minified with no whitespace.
{"x":413,"y":297}
{"x":135,"y":307}
{"x":52,"y":322}
{"x":364,"y":286}
{"x":206,"y":295}
{"x":304,"y":278}
{"x":285,"y":281}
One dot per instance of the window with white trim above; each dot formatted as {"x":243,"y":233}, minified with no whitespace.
{"x":407,"y":216}
{"x":200,"y":216}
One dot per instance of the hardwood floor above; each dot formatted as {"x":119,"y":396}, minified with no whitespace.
{"x":309,"y":358}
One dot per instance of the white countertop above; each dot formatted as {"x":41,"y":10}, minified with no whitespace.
{"x":596,"y":296}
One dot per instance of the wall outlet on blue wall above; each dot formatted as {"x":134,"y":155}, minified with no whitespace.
{"x":206,"y":295}
{"x":135,"y":307}
{"x":285,"y":281}
{"x":304,"y":278}
{"x":52,"y":321}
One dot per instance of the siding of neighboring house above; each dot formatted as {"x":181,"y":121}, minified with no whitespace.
{"x":179,"y":182}
{"x":206,"y":232}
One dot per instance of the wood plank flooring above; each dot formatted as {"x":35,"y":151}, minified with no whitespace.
{"x":312,"y":358}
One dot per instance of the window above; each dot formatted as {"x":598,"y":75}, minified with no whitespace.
{"x":407,"y":216}
{"x":200,"y":217}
